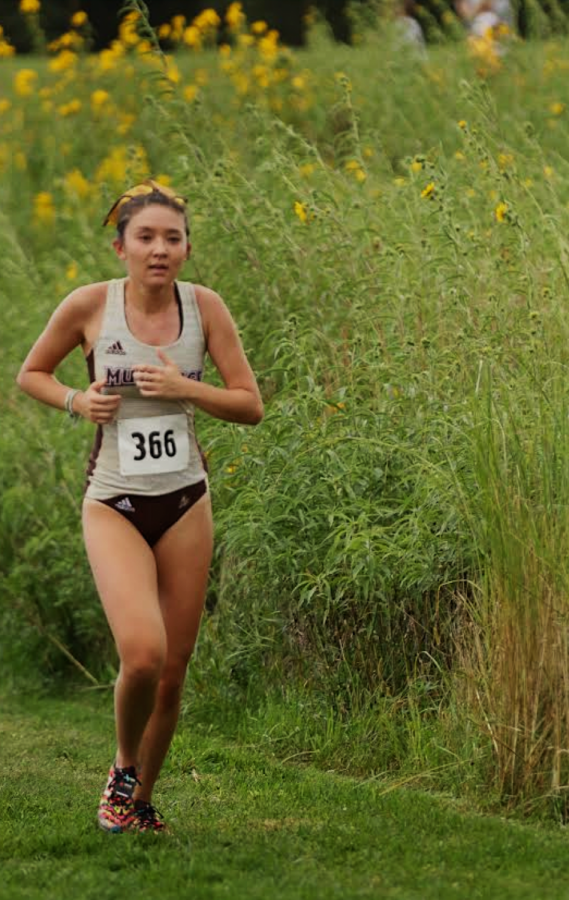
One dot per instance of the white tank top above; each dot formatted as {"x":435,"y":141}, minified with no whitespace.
{"x":151,"y":446}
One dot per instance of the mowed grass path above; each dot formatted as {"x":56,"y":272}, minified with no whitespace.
{"x":244,"y":826}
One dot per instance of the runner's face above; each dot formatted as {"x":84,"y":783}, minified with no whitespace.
{"x":155,"y":245}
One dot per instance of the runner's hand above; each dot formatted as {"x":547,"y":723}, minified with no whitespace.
{"x":164,"y":381}
{"x":95,"y":406}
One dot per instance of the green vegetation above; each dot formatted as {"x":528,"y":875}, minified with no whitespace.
{"x":243,"y":825}
{"x":389,"y":591}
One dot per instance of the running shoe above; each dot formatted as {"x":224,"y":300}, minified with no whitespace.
{"x":116,"y":808}
{"x":147,"y":818}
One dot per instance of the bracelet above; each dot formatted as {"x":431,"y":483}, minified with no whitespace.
{"x":69,"y":398}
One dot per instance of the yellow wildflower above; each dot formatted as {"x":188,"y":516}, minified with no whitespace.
{"x":298,"y":83}
{"x":368,"y":152}
{"x":98,"y":99}
{"x":76,"y":184}
{"x":505,"y":160}
{"x":164,"y":31}
{"x":235,"y":17}
{"x":416,"y":165}
{"x":225,"y":50}
{"x":306,"y":169}
{"x":501,"y":211}
{"x":29,"y":7}
{"x":261,"y":73}
{"x":126,"y":123}
{"x":43,"y":208}
{"x":6,"y":49}
{"x":178,"y":24}
{"x":4,"y":105}
{"x":192,"y":37}
{"x":428,"y":191}
{"x":66,"y":41}
{"x":113,"y":168}
{"x":72,"y":271}
{"x":164,"y":180}
{"x":470,"y":192}
{"x":172,"y":72}
{"x":79,"y":19}
{"x":259,"y":27}
{"x":207,"y":20}
{"x":459,"y":155}
{"x":241,"y":83}
{"x":548,"y":171}
{"x":69,"y":109}
{"x":268,"y":45}
{"x":190,"y":92}
{"x":63,"y":61}
{"x":353,"y":166}
{"x":332,"y":408}
{"x":24,"y":81}
{"x":109,"y":58}
{"x":128,"y":33}
{"x":399,"y":181}
{"x":301,"y":211}
{"x":462,"y":124}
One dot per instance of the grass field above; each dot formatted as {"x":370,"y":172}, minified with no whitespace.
{"x":243,"y":825}
{"x":389,"y":591}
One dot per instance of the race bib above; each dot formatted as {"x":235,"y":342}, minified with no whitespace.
{"x":153,"y":446}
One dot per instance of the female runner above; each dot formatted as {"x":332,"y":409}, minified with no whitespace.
{"x":146,"y":513}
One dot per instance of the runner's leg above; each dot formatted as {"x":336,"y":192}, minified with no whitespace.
{"x":183,"y":555}
{"x":125,"y":574}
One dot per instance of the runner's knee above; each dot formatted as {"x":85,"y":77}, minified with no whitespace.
{"x":171,"y":685}
{"x":144,"y":663}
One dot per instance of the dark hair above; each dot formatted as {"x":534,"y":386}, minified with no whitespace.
{"x":140,"y":201}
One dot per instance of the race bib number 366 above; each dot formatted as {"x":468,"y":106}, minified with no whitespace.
{"x":153,"y":446}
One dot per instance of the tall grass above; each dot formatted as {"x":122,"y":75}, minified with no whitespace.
{"x":390,"y":570}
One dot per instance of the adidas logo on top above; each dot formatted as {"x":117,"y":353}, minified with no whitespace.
{"x":116,"y":348}
{"x":125,"y":505}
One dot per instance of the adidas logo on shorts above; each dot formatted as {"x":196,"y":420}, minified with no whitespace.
{"x":184,"y":501}
{"x":117,"y":348}
{"x":125,"y":505}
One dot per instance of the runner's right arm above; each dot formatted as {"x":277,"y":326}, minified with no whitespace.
{"x":64,"y":331}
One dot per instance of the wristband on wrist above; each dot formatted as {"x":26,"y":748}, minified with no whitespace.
{"x":69,"y":397}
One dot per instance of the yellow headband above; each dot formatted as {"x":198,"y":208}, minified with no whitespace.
{"x":146,"y":187}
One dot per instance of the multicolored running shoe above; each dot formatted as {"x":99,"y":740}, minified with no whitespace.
{"x":116,"y":808}
{"x":147,"y":818}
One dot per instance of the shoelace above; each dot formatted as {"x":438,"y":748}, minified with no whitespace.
{"x":149,"y":815}
{"x":126,"y":781}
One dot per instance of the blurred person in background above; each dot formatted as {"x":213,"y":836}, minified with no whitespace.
{"x":408,"y":28}
{"x":478,"y":16}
